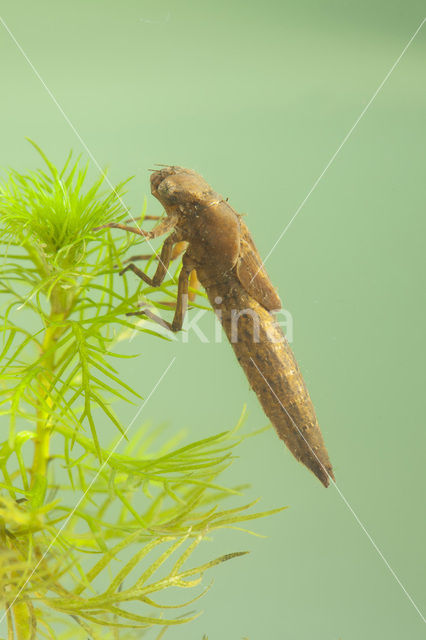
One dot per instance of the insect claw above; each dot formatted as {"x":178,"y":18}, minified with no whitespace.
{"x":136,"y":313}
{"x":145,"y":256}
{"x":123,"y":271}
{"x":151,"y":316}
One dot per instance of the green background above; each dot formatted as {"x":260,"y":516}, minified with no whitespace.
{"x":257,"y":96}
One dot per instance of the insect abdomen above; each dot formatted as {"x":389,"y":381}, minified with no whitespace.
{"x":272,"y":371}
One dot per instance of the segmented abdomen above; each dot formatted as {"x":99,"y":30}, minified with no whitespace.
{"x":272,"y":371}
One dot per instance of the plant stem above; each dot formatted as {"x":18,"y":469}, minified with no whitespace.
{"x":61,"y":302}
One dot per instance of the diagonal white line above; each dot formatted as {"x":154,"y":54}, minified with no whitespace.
{"x":105,"y":462}
{"x":345,"y":139}
{"x":70,"y":123}
{"x":344,"y":499}
{"x":52,"y":96}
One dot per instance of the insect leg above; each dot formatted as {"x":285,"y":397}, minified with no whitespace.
{"x":182,"y":295}
{"x":181,"y":304}
{"x":194,"y":286}
{"x":166,"y":225}
{"x":144,"y":256}
{"x":178,"y":249}
{"x":144,"y":218}
{"x":152,"y":316}
{"x":124,"y":227}
{"x":164,"y":261}
{"x":194,"y":283}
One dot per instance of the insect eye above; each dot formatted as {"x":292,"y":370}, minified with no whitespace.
{"x":167,"y":189}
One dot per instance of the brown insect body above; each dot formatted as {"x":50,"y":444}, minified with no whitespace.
{"x":230,"y":269}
